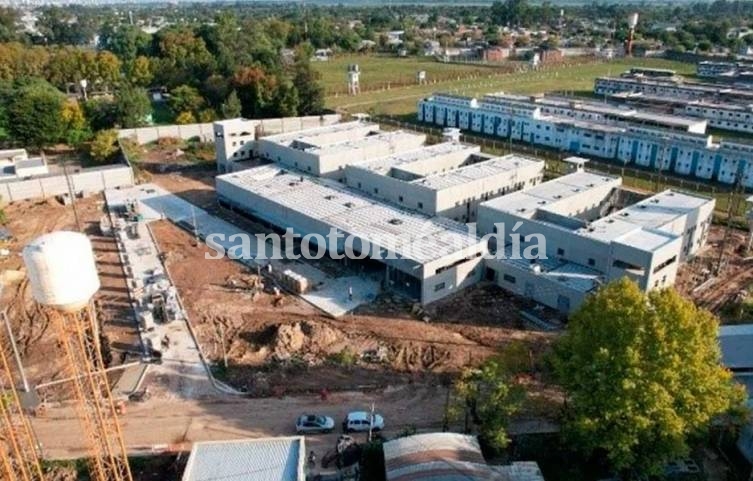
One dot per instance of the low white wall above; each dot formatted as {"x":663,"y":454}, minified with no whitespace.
{"x":86,"y":181}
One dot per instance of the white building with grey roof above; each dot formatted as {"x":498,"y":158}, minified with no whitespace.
{"x":423,"y":257}
{"x":325,"y":152}
{"x":594,"y":232}
{"x":449,"y":179}
{"x":664,"y":150}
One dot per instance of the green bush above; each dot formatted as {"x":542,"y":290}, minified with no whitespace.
{"x":345,"y":358}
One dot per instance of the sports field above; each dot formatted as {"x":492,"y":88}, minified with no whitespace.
{"x":475,"y":80}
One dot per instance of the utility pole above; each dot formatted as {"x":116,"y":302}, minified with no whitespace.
{"x":16,"y":355}
{"x":371,"y":421}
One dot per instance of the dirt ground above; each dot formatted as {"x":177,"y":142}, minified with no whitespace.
{"x":284,"y":346}
{"x":31,"y":326}
{"x":720,"y":292}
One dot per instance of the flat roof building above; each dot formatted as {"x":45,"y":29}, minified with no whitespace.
{"x":600,"y":112}
{"x":235,"y":139}
{"x":424,"y":257}
{"x":448,"y":179}
{"x":325,"y":152}
{"x":687,"y":90}
{"x":594,"y":232}
{"x":266,"y":459}
{"x":624,"y":143}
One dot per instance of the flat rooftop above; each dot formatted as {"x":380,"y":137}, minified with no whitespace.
{"x":641,"y":224}
{"x":483,"y":169}
{"x":361,"y":143}
{"x":574,"y":276}
{"x":622,"y":113}
{"x":431,"y":152}
{"x":410,"y":235}
{"x":271,"y":459}
{"x":310,"y":135}
{"x":554,"y":195}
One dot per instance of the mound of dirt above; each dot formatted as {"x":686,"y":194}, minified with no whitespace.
{"x":307,"y":339}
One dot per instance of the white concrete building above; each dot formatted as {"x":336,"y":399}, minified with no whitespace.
{"x":661,"y":149}
{"x":423,"y":257}
{"x":16,"y":163}
{"x":735,"y":117}
{"x":448,"y":179}
{"x":594,"y":233}
{"x":235,"y":139}
{"x":326,"y":151}
{"x":600,"y":112}
{"x":691,"y":91}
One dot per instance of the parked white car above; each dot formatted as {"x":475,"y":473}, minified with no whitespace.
{"x":312,"y":424}
{"x":359,"y":421}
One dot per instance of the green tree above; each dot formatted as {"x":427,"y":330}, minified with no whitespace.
{"x":185,"y":99}
{"x":231,"y":107}
{"x":185,"y":118}
{"x":104,"y":145}
{"x":36,"y":113}
{"x":140,"y":71}
{"x":642,"y":373}
{"x":132,"y":106}
{"x":9,"y":19}
{"x":307,"y":82}
{"x":488,"y":395}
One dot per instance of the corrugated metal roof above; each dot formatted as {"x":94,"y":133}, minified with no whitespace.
{"x":269,"y":459}
{"x":444,"y":456}
{"x":737,"y":346}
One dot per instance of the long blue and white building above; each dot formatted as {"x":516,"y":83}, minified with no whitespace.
{"x":664,"y":149}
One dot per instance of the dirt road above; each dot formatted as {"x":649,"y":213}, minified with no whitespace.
{"x":159,"y":422}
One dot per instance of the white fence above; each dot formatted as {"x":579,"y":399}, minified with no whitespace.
{"x":145,"y":135}
{"x":85,"y":181}
{"x":205,"y":132}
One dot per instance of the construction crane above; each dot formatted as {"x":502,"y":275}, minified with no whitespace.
{"x":19,"y":456}
{"x":63,"y":278}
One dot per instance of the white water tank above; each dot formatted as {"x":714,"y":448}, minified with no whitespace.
{"x":61,"y":270}
{"x":633,"y":20}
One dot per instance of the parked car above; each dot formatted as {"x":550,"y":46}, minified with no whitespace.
{"x":312,"y":424}
{"x":358,"y":421}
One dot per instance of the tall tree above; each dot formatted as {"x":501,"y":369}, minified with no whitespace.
{"x":490,"y":397}
{"x":132,"y":106}
{"x":9,"y":18}
{"x":642,"y":373}
{"x":307,"y":82}
{"x":231,"y":107}
{"x":185,"y":99}
{"x":36,"y":113}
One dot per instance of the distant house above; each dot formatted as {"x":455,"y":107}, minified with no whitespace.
{"x":497,"y":54}
{"x":431,"y":47}
{"x":266,"y":459}
{"x":322,"y":54}
{"x":549,"y":55}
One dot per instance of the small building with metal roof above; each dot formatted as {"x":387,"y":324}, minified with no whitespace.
{"x":448,"y":457}
{"x":265,"y":459}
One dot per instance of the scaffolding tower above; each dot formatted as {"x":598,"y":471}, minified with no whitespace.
{"x":77,"y":332}
{"x":19,"y":455}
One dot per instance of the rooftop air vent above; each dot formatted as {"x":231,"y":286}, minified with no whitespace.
{"x":395,"y":221}
{"x":329,"y":197}
{"x":591,"y":185}
{"x":349,"y":205}
{"x":625,"y":214}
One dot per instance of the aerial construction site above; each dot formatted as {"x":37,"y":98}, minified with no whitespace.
{"x":125,"y":337}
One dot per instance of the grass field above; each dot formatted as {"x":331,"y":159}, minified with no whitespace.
{"x":402,"y":100}
{"x":377,"y":71}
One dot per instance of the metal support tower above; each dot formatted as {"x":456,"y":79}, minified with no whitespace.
{"x":94,"y":403}
{"x":19,"y":457}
